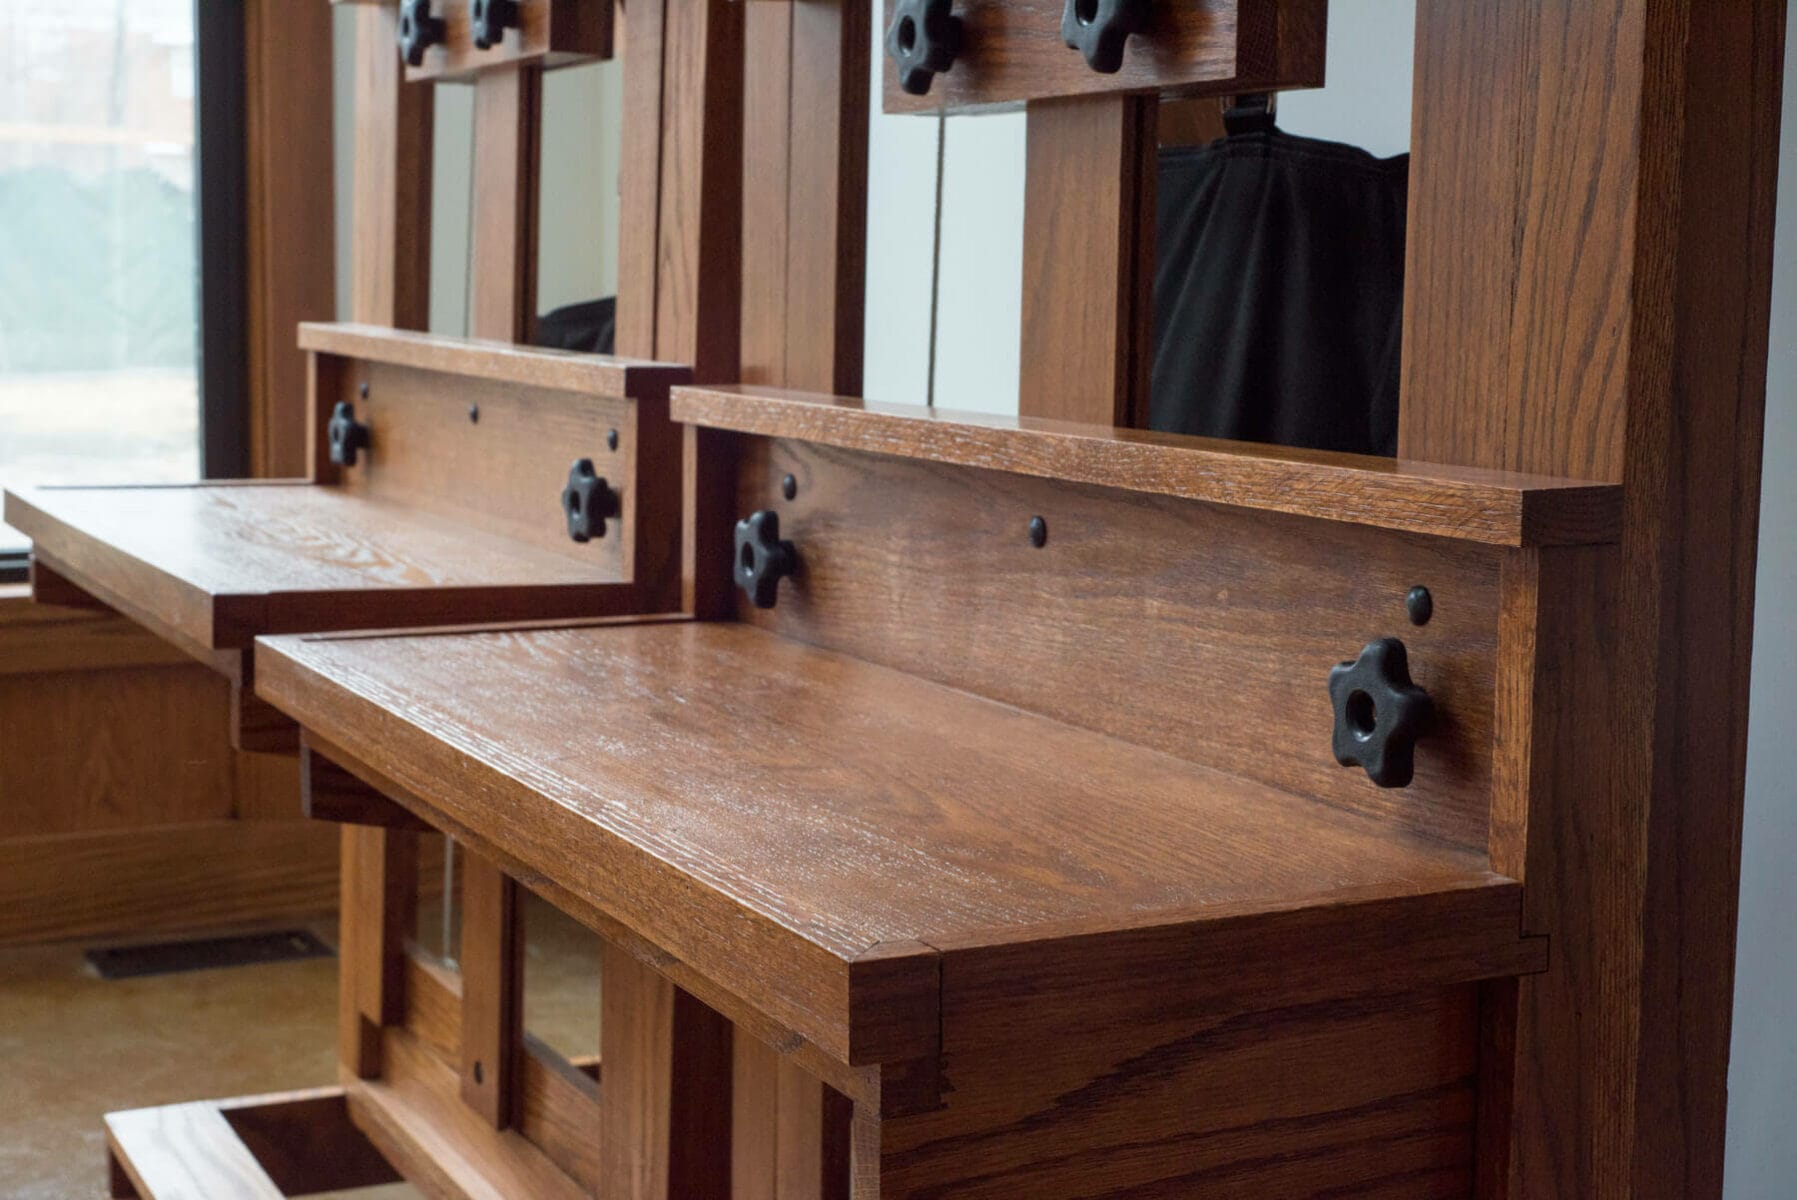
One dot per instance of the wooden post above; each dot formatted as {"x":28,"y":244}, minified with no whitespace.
{"x":507,"y":140}
{"x":492,"y":959}
{"x":1587,"y":296}
{"x":1088,"y":269}
{"x":390,"y":240}
{"x":377,"y":913}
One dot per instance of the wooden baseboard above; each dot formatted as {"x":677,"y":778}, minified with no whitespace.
{"x":165,"y":879}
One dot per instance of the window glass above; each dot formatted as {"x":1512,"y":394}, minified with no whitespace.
{"x":98,"y":297}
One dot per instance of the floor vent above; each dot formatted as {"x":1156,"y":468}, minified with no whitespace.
{"x":169,"y":958}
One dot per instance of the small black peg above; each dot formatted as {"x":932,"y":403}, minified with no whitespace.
{"x":762,"y":559}
{"x":489,"y":19}
{"x":922,"y":40}
{"x":348,"y":436}
{"x":587,"y":502}
{"x":1099,"y":28}
{"x":418,"y":31}
{"x":1379,"y":713}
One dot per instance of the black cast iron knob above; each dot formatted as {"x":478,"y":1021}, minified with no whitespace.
{"x":1098,"y":29}
{"x":923,"y":39}
{"x":1379,"y":713}
{"x":762,"y":559}
{"x":587,"y":501}
{"x":418,"y":31}
{"x":489,"y":19}
{"x":348,"y":436}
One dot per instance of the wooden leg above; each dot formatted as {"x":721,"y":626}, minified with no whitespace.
{"x":492,"y":983}
{"x":790,"y":1136}
{"x":666,"y":1097}
{"x":379,"y":909}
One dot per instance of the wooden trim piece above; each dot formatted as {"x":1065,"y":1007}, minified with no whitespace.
{"x":183,"y":1150}
{"x":500,"y":361}
{"x":378,"y":913}
{"x":502,"y":273}
{"x":549,"y":33}
{"x":38,"y":636}
{"x":1012,"y":53}
{"x":492,"y":958}
{"x":329,"y":793}
{"x":178,"y":877}
{"x":1444,"y":501}
{"x":1088,"y":259}
{"x":390,"y":248}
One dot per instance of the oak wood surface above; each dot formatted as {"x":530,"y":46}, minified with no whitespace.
{"x":504,"y":205}
{"x":214,"y":566}
{"x":1462,"y":503}
{"x":163,"y":878}
{"x":1012,"y":52}
{"x":741,"y":782}
{"x":549,"y":33}
{"x":499,"y":361}
{"x":377,"y":912}
{"x":390,"y":222}
{"x":492,"y":964}
{"x":1197,"y":630}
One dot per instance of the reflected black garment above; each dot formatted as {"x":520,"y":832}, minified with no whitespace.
{"x":590,"y":326}
{"x":1278,"y":292}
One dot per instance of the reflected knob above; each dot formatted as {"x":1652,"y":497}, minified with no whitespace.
{"x":418,"y":31}
{"x":1379,"y":713}
{"x":489,"y":19}
{"x":587,"y":501}
{"x":923,"y":40}
{"x":348,"y":436}
{"x":762,"y":559}
{"x":1098,"y":29}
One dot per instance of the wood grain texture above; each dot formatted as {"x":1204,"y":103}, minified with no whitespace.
{"x":1590,"y":263}
{"x":1012,"y":52}
{"x":1141,"y":617}
{"x":504,"y":205}
{"x":549,"y":33}
{"x":665,"y":1123}
{"x":39,"y":638}
{"x":213,"y":566}
{"x":140,"y":881}
{"x":768,"y":64}
{"x":498,"y":361}
{"x":185,"y":1152}
{"x":414,"y":1114}
{"x":377,"y":913}
{"x":391,"y":216}
{"x":639,"y":178}
{"x":492,"y":950}
{"x":1366,"y":1098}
{"x":1088,"y":260}
{"x":290,"y":220}
{"x":1466,"y":504}
{"x":677,"y":826}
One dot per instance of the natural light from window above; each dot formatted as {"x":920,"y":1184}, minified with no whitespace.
{"x":98,"y":298}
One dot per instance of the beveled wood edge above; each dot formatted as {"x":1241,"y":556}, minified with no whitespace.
{"x":503,"y":362}
{"x":1464,"y":504}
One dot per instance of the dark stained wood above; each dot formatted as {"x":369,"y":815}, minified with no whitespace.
{"x":211,"y":567}
{"x":306,"y":1141}
{"x":1453,"y":502}
{"x":329,"y":793}
{"x":768,"y":65}
{"x":390,"y":224}
{"x":1088,"y":260}
{"x":492,"y":985}
{"x":1012,"y":52}
{"x":1164,"y":609}
{"x":499,"y":361}
{"x":550,"y":33}
{"x":665,"y":1123}
{"x":1588,"y":288}
{"x":832,"y":920}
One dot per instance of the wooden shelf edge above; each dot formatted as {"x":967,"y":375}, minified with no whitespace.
{"x":1464,"y":504}
{"x":503,"y":362}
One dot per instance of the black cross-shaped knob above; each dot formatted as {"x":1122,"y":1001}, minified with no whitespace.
{"x":1098,"y":29}
{"x":762,"y":559}
{"x":348,"y":436}
{"x":1379,"y":713}
{"x":418,"y":31}
{"x":489,"y":19}
{"x":922,"y":40}
{"x":587,"y":501}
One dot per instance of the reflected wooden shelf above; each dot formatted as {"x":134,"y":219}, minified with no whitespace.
{"x":856,"y":856}
{"x":1454,"y":502}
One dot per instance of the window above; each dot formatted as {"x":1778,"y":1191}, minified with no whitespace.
{"x":99,"y":326}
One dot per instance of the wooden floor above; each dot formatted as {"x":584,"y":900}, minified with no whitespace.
{"x":76,"y":1046}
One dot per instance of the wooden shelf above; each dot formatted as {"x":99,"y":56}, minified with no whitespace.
{"x":210,"y":566}
{"x":1471,"y":505}
{"x":839,"y":845}
{"x":503,"y":362}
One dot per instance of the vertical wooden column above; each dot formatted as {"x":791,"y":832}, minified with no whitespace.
{"x":492,"y":958}
{"x":390,"y":249}
{"x":666,"y":1100}
{"x":377,"y":912}
{"x":805,"y":232}
{"x":1587,"y":295}
{"x":1088,"y":250}
{"x":502,"y":279}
